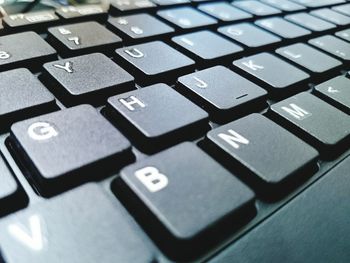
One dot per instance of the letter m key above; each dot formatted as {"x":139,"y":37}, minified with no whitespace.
{"x":296,"y":111}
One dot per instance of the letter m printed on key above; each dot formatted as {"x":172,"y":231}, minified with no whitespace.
{"x":233,"y":138}
{"x":296,"y":111}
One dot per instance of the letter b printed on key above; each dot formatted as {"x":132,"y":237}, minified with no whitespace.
{"x":152,"y":178}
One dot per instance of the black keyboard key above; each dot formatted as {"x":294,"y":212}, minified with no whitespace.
{"x":170,"y":2}
{"x":48,"y":231}
{"x":22,"y":96}
{"x":207,"y":45}
{"x":259,"y":146}
{"x":249,"y":35}
{"x":344,"y":34}
{"x":65,"y":148}
{"x":331,"y":16}
{"x":157,"y":116}
{"x":89,"y":78}
{"x":336,"y":91}
{"x":24,"y":49}
{"x":82,"y":12}
{"x":309,"y":58}
{"x":332,"y":45}
{"x":256,"y":8}
{"x":315,"y":120}
{"x":118,"y":6}
{"x":310,"y":22}
{"x":1,"y":27}
{"x":222,"y":92}
{"x":12,"y":197}
{"x":283,"y":28}
{"x":83,"y":37}
{"x":272,"y":71}
{"x":30,"y":21}
{"x":318,"y":3}
{"x":224,"y":11}
{"x":319,"y":213}
{"x":186,"y":17}
{"x":284,"y":5}
{"x":175,"y":189}
{"x":344,"y":9}
{"x":139,"y":26}
{"x":155,"y":61}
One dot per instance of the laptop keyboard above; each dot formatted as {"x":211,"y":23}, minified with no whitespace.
{"x":168,"y":130}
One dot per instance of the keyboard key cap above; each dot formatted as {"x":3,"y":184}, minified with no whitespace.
{"x":68,"y":147}
{"x":22,"y":96}
{"x":89,"y":78}
{"x":83,"y":37}
{"x":139,"y":26}
{"x":155,"y":61}
{"x":130,"y":5}
{"x":315,"y":120}
{"x":281,"y":27}
{"x":249,"y":35}
{"x":256,"y":8}
{"x":222,"y":92}
{"x":331,"y":16}
{"x":170,"y":2}
{"x":175,"y":189}
{"x":157,"y":116}
{"x":284,"y":5}
{"x":332,"y":45}
{"x":224,"y":11}
{"x":309,"y":58}
{"x":319,"y":213}
{"x":24,"y":49}
{"x":186,"y":17}
{"x":207,"y":45}
{"x":82,"y":12}
{"x":259,"y":146}
{"x":12,"y":196}
{"x":1,"y":28}
{"x":344,"y":34}
{"x":48,"y":231}
{"x":310,"y":22}
{"x":344,"y":9}
{"x":272,"y":71}
{"x":30,"y":21}
{"x":336,"y":91}
{"x":318,"y":3}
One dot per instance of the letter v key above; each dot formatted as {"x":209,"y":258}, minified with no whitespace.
{"x":34,"y":240}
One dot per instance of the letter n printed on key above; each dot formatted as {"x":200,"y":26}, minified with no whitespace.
{"x":233,"y":138}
